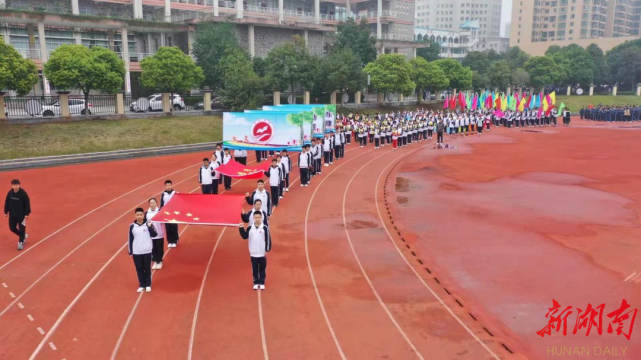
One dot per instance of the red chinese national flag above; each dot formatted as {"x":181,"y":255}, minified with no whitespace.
{"x":235,"y":169}
{"x":202,"y":209}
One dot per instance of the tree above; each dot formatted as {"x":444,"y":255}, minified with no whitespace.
{"x":480,"y":81}
{"x":600,"y":66}
{"x":170,"y":70}
{"x":211,"y":41}
{"x":427,"y":76}
{"x":390,"y":73}
{"x":543,"y":71}
{"x":430,"y":53}
{"x":260,"y":66}
{"x":521,"y":78}
{"x":342,"y":71}
{"x":78,"y":67}
{"x":16,"y":73}
{"x":288,"y":66}
{"x":477,"y":61}
{"x":460,"y":77}
{"x":575,"y":62}
{"x":624,"y":62}
{"x":243,"y":89}
{"x":356,"y":37}
{"x":500,"y":74}
{"x":553,"y":49}
{"x":516,"y":57}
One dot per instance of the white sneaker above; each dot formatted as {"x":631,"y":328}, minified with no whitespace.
{"x":280,"y":197}
{"x":159,"y":266}
{"x":154,"y":266}
{"x":148,"y":289}
{"x":331,"y":162}
{"x":302,"y":185}
{"x":328,"y":164}
{"x":262,"y":287}
{"x":306,"y":185}
{"x":286,"y":189}
{"x":140,"y":289}
{"x":25,"y":238}
{"x":255,"y":287}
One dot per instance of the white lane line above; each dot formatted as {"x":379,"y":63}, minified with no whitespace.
{"x":262,"y":327}
{"x":42,"y":332}
{"x":30,"y":317}
{"x":73,"y":251}
{"x":360,"y":265}
{"x":309,"y":263}
{"x":20,"y":306}
{"x":12,"y":295}
{"x":29,"y":248}
{"x":53,"y":347}
{"x":4,"y":285}
{"x":630,"y":277}
{"x":449,"y":310}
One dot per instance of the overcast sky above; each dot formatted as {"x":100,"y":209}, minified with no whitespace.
{"x":506,"y":15}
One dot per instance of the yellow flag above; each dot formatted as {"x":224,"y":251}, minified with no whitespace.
{"x":522,"y":105}
{"x":545,"y":105}
{"x":553,"y":97}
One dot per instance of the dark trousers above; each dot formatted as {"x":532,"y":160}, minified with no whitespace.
{"x":259,"y":264}
{"x":16,"y":227}
{"x":214,"y":185}
{"x":317,"y":166}
{"x":377,"y":142}
{"x":227,"y":183}
{"x":331,"y":156}
{"x":326,"y":156}
{"x":439,"y":137}
{"x":143,"y":269}
{"x":242,"y":160}
{"x":258,"y":156}
{"x":348,"y":138}
{"x":207,"y":189}
{"x":172,"y":233}
{"x":337,"y":151}
{"x":275,"y":194}
{"x":362,"y":141}
{"x":342,"y":150}
{"x":158,"y":250}
{"x":304,"y":176}
{"x":286,"y":180}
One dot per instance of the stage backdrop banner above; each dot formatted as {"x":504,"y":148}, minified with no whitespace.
{"x":237,"y":170}
{"x":262,"y":131}
{"x":297,"y":116}
{"x":202,"y":209}
{"x":324,"y":115}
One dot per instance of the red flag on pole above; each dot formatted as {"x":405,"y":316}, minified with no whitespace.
{"x":461,"y":100}
{"x":453,"y":101}
{"x":498,"y":102}
{"x":235,"y":169}
{"x":202,"y":209}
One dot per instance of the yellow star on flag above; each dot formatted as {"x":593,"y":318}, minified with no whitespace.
{"x":247,"y":170}
{"x":177,"y":212}
{"x":196,"y":219}
{"x":188,"y":214}
{"x":173,"y":221}
{"x":241,"y":173}
{"x":166,"y":212}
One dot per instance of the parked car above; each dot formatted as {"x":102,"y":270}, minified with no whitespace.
{"x":76,"y":106}
{"x":215,"y":104}
{"x":155,"y":103}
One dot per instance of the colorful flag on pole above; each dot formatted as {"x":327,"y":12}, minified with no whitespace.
{"x":447,"y":101}
{"x":553,"y":97}
{"x":499,"y":114}
{"x":235,"y":169}
{"x":202,"y":209}
{"x":561,"y":108}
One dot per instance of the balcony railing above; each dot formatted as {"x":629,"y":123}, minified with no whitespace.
{"x":106,"y":12}
{"x":33,"y":54}
{"x":227,"y":4}
{"x":296,"y":13}
{"x":40,"y":7}
{"x":261,"y":9}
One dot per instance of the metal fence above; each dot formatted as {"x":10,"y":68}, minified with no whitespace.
{"x":43,"y":106}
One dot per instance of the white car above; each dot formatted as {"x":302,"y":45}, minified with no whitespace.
{"x":155,"y":103}
{"x":76,"y":106}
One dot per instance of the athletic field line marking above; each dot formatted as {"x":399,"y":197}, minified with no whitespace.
{"x":13,"y":296}
{"x":380,"y":215}
{"x":135,"y":307}
{"x":309,"y":264}
{"x":4,"y":285}
{"x":71,"y":252}
{"x":30,"y":317}
{"x":631,"y":276}
{"x":360,"y":265}
{"x":20,"y":306}
{"x":262,"y":327}
{"x":42,"y":332}
{"x":53,"y":347}
{"x":29,"y":248}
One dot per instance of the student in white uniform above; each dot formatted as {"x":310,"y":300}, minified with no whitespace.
{"x":226,"y":159}
{"x":158,"y":241}
{"x":140,"y":246}
{"x":260,"y":243}
{"x":170,"y":229}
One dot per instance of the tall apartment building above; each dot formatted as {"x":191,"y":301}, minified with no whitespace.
{"x":37,"y":27}
{"x":537,"y":24}
{"x":449,"y":15}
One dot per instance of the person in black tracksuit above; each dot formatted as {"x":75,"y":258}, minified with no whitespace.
{"x":17,"y":207}
{"x":171,"y":230}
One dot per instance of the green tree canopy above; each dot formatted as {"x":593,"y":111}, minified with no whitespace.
{"x":479,"y":80}
{"x":516,"y":57}
{"x":428,"y":76}
{"x":543,"y":71}
{"x":391,"y":73}
{"x":288,"y":66}
{"x":431,"y":53}
{"x":521,"y":78}
{"x":211,"y":41}
{"x":500,"y":74}
{"x":600,"y":65}
{"x":243,"y":89}
{"x":624,"y":63}
{"x":78,"y":67}
{"x":170,"y":70}
{"x":16,"y":73}
{"x":478,"y":61}
{"x":357,"y":38}
{"x":460,"y":77}
{"x":342,"y":71}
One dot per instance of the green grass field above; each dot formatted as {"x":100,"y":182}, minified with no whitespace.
{"x":22,"y":141}
{"x":576,"y":102}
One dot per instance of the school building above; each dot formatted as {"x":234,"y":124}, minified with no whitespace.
{"x":37,"y":27}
